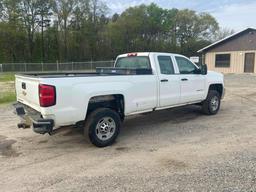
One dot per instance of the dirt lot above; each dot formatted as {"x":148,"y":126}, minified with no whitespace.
{"x":172,"y":150}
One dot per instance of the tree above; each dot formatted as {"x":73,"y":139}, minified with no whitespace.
{"x":44,"y":13}
{"x":192,"y":27}
{"x":63,"y":10}
{"x":1,"y":9}
{"x":88,"y":24}
{"x":222,"y":33}
{"x":29,"y":15}
{"x":9,"y":10}
{"x":82,"y":30}
{"x":12,"y":36}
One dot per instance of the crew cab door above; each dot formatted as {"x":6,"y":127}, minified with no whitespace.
{"x":192,"y":83}
{"x":169,"y":81}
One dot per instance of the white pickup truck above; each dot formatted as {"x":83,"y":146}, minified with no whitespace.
{"x":138,"y":83}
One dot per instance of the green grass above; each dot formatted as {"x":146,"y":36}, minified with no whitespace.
{"x":6,"y":77}
{"x":7,"y":97}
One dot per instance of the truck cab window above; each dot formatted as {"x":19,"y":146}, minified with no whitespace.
{"x":186,"y":66}
{"x":166,"y":65}
{"x":137,"y":62}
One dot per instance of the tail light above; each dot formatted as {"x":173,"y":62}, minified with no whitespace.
{"x":47,"y":95}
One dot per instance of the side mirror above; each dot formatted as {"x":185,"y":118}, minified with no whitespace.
{"x":204,"y":69}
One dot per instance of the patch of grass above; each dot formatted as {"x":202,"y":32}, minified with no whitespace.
{"x":6,"y":77}
{"x":7,"y":97}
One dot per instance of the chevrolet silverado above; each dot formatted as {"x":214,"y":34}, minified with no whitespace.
{"x":138,"y":83}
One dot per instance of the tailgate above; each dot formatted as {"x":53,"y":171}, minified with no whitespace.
{"x":27,"y":91}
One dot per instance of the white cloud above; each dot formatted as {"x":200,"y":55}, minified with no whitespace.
{"x":117,"y":6}
{"x":236,"y":16}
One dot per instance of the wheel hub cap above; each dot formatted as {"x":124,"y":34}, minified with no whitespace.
{"x":215,"y":103}
{"x":105,"y":128}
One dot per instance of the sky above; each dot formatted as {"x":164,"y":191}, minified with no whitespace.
{"x":232,"y":14}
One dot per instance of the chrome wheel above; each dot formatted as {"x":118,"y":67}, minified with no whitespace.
{"x":105,"y":128}
{"x":214,"y":103}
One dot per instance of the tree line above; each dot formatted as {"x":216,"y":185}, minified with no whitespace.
{"x":83,"y":30}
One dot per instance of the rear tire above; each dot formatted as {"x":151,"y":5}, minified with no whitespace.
{"x":102,"y":127}
{"x":211,"y":105}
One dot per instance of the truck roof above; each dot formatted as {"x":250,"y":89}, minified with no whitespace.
{"x":146,"y":54}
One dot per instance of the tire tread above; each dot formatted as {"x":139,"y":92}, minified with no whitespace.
{"x":89,"y":136}
{"x":205,"y":104}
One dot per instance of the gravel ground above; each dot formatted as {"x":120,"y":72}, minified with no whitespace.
{"x":171,"y":150}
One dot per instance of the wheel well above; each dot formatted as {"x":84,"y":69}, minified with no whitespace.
{"x":217,"y":87}
{"x":114,"y":102}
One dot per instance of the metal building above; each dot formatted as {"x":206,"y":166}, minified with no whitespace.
{"x":233,"y":54}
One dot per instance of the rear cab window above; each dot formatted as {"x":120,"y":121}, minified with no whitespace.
{"x":133,"y":62}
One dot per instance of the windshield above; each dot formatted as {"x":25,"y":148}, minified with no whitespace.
{"x":138,"y":62}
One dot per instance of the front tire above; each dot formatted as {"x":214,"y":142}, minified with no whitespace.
{"x":211,"y":105}
{"x":102,"y":127}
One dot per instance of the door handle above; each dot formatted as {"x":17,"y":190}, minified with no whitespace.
{"x":184,"y":79}
{"x":164,"y":80}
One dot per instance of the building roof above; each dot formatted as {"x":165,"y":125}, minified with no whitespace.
{"x":225,"y":39}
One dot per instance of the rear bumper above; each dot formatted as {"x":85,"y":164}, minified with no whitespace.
{"x":30,"y":117}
